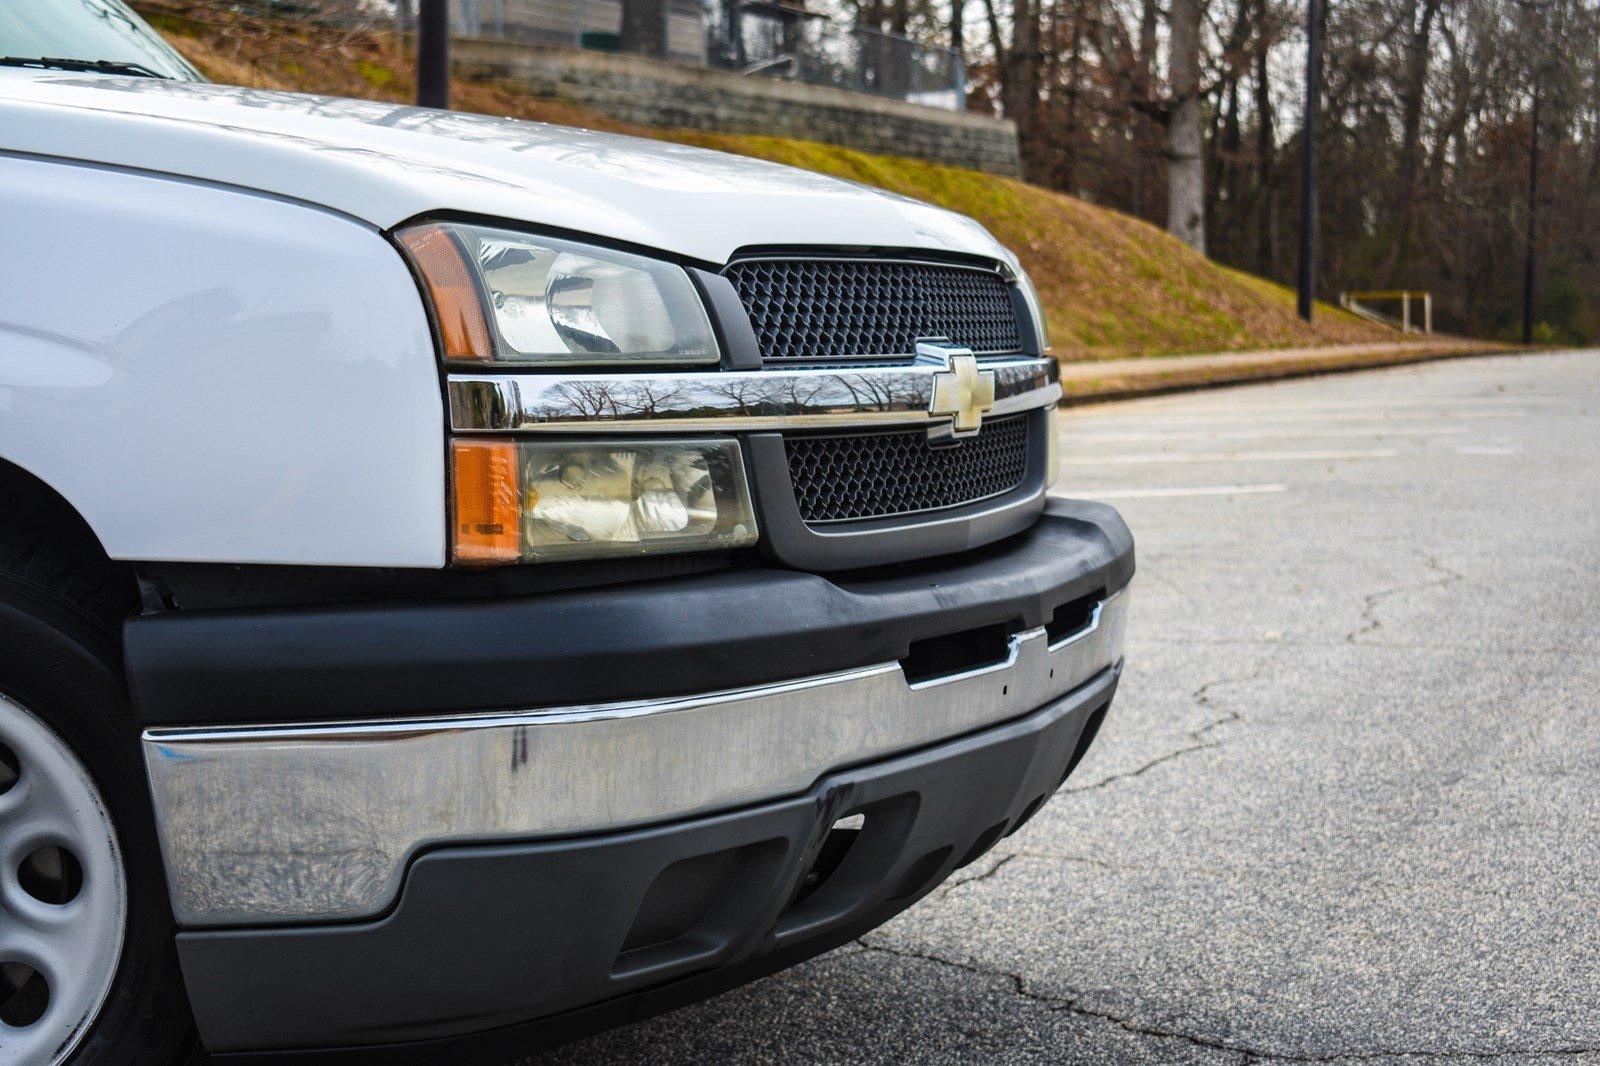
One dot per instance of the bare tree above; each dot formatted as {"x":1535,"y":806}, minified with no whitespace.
{"x":1184,"y":112}
{"x":1186,"y":176}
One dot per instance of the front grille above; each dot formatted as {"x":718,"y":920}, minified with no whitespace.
{"x":871,"y":309}
{"x":875,"y":475}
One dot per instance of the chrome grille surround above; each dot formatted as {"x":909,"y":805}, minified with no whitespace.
{"x":832,"y":308}
{"x":769,"y":406}
{"x":784,"y":398}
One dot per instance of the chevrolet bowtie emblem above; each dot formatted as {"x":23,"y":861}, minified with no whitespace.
{"x":963,"y":391}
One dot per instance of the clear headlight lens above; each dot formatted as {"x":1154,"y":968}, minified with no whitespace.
{"x":533,"y":501}
{"x":500,"y":296}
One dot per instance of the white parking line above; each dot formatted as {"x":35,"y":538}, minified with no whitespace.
{"x":1267,"y":434}
{"x":1358,"y":403}
{"x":1145,"y":494}
{"x":1178,"y":418}
{"x":1468,"y":449}
{"x":1229,"y":457}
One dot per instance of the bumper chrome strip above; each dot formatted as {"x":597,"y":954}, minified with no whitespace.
{"x":303,"y":823}
{"x":721,"y":401}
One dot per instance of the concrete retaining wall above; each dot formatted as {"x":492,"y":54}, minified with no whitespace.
{"x":654,"y":93}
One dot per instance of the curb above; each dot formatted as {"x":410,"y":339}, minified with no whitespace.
{"x":1168,"y":379}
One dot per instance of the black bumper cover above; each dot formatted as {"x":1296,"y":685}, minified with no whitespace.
{"x":670,"y":637}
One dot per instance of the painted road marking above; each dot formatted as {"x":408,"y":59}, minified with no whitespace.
{"x":1267,"y":434}
{"x":1469,"y":449}
{"x":1145,"y":494}
{"x":1230,"y":457}
{"x":1146,"y":418}
{"x":1376,"y":403}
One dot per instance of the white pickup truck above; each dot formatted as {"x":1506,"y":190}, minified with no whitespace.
{"x":464,"y":582}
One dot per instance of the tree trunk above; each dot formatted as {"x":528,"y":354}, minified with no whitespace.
{"x":644,"y":27}
{"x":899,"y":18}
{"x":1050,"y":143}
{"x":1266,"y":245}
{"x":1227,"y":190}
{"x":997,"y":41}
{"x":1412,"y":92}
{"x":1419,"y":45}
{"x":1068,"y":176}
{"x":1186,"y":180}
{"x":1149,"y":17}
{"x":958,"y":27}
{"x":1021,"y":82}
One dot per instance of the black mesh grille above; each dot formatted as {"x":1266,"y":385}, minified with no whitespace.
{"x":833,"y":308}
{"x":879,"y":474}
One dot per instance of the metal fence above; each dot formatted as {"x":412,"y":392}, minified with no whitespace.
{"x":766,"y":38}
{"x":594,"y":24}
{"x":750,"y":36}
{"x":1357,"y":303}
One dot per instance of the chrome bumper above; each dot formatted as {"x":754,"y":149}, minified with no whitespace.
{"x":263,"y":824}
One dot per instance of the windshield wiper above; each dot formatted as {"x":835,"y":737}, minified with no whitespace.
{"x":98,"y":66}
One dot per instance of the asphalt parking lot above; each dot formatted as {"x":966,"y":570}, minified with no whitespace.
{"x":1347,"y":805}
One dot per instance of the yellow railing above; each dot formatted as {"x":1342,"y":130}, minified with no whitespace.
{"x":1353,"y":302}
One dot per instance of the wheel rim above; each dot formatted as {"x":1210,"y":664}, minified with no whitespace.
{"x":63,"y":894}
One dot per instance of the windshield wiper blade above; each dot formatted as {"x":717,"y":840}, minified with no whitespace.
{"x":98,"y":66}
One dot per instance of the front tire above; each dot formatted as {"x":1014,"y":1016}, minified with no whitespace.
{"x":88,"y":964}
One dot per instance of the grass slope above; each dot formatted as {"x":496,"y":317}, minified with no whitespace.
{"x":1113,"y":286}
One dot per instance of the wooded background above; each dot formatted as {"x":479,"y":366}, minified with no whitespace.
{"x":1188,"y":113}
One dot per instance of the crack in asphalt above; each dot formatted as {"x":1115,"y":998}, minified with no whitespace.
{"x":1371,"y":623}
{"x":1045,"y":856}
{"x":1202,"y":698}
{"x":1073,"y":1004}
{"x":994,"y":868}
{"x":1117,"y":867}
{"x":1063,"y":857}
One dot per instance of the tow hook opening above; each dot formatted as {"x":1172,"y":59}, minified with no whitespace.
{"x":1073,"y":617}
{"x":958,"y":653}
{"x":852,"y":859}
{"x":842,"y":836}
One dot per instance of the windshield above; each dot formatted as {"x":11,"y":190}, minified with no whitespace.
{"x":87,"y":30}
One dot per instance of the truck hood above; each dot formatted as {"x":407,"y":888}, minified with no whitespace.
{"x":385,"y":163}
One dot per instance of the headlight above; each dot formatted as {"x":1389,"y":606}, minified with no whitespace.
{"x":505,"y":297}
{"x":535,"y":501}
{"x":1041,"y":329}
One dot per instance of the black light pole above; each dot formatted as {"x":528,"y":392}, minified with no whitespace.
{"x":1528,"y":264}
{"x":1306,"y":279}
{"x":433,"y":53}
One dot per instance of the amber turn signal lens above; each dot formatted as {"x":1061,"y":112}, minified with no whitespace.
{"x":537,"y":501}
{"x":453,"y":291}
{"x":488,"y":508}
